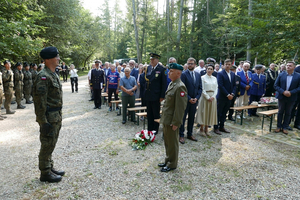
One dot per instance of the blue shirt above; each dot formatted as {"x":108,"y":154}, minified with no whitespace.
{"x":112,"y":78}
{"x":289,"y":80}
{"x":127,"y":83}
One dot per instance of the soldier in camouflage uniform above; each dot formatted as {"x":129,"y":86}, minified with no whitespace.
{"x":47,"y":96}
{"x":8,"y":85}
{"x":1,"y":96}
{"x":34,"y":73}
{"x":18,"y":85}
{"x":27,"y":83}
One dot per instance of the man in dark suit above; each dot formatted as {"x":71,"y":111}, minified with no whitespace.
{"x":97,"y":83}
{"x":226,"y":85}
{"x":297,"y":105}
{"x":237,"y":91}
{"x":287,"y":86}
{"x":64,"y":72}
{"x":193,"y":83}
{"x":156,"y":85}
{"x":271,"y":75}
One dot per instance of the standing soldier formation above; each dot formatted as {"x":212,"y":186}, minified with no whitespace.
{"x":18,"y":85}
{"x":8,"y":85}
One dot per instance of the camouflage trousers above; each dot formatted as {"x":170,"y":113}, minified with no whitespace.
{"x":47,"y":147}
{"x":27,"y":92}
{"x":8,"y":97}
{"x":18,"y":94}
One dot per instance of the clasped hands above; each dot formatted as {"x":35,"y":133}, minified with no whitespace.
{"x":287,"y":93}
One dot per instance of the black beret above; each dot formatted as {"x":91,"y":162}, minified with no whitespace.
{"x":175,"y":66}
{"x":49,"y":52}
{"x":18,"y":64}
{"x":154,"y":55}
{"x":5,"y":62}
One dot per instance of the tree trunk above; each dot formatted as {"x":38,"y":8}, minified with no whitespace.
{"x":249,"y":40}
{"x":179,"y":26}
{"x":144,"y":27}
{"x":168,"y":27}
{"x":193,"y":29}
{"x":136,"y":33}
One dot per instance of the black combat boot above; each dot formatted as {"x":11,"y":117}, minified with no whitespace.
{"x":29,"y":102}
{"x":50,"y":177}
{"x":58,"y":172}
{"x":21,"y":107}
{"x":10,"y":112}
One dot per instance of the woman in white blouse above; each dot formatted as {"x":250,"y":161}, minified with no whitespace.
{"x":74,"y":78}
{"x":207,"y":106}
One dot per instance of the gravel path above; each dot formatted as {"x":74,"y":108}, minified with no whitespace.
{"x":93,"y":150}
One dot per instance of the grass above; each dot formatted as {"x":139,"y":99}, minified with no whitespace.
{"x":82,"y":73}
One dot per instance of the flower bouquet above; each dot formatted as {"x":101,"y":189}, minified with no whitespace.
{"x":268,"y":100}
{"x":142,"y":139}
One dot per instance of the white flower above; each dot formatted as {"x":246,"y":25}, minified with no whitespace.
{"x":147,"y":136}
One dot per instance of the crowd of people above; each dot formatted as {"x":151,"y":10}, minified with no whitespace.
{"x":16,"y":82}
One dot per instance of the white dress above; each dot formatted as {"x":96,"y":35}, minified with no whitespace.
{"x":207,"y":111}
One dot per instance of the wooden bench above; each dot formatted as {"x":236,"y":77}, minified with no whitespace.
{"x":268,"y":113}
{"x":114,"y":103}
{"x":143,"y":114}
{"x":136,"y":105}
{"x":242,"y":108}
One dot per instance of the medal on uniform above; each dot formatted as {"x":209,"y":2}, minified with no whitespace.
{"x":156,"y":75}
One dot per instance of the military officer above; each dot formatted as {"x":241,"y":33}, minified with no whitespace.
{"x":97,"y":83}
{"x":237,"y":91}
{"x":172,"y":115}
{"x":18,"y":85}
{"x":8,"y":85}
{"x":47,"y":96}
{"x":1,"y":96}
{"x":27,"y":84}
{"x":156,"y":85}
{"x":258,"y":89}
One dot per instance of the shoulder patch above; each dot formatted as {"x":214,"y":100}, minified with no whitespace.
{"x":43,"y":78}
{"x":182,"y":94}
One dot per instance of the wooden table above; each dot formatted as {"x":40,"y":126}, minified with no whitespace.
{"x":242,"y":108}
{"x":268,"y":113}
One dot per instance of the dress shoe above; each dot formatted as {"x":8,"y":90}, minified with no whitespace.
{"x":224,"y":130}
{"x":21,"y":107}
{"x":58,"y":172}
{"x":277,"y":130}
{"x":133,"y":121}
{"x":192,"y":138}
{"x":95,"y":107}
{"x":13,"y":102}
{"x":296,"y":126}
{"x":29,"y":102}
{"x":10,"y":112}
{"x":207,"y":133}
{"x":217,"y":131}
{"x":4,"y":117}
{"x":123,"y":122}
{"x":285,"y":131}
{"x":166,"y":169}
{"x":99,"y":107}
{"x":162,"y":164}
{"x":50,"y":177}
{"x":91,"y":100}
{"x":181,"y":140}
{"x":289,"y":128}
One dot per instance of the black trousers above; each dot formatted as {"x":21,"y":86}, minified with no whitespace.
{"x":284,"y":113}
{"x":191,"y":111}
{"x":296,"y":113}
{"x":97,"y":97}
{"x":65,"y":76}
{"x":153,"y":108}
{"x":230,"y":112}
{"x":110,"y":92}
{"x":222,"y":107}
{"x":74,"y":81}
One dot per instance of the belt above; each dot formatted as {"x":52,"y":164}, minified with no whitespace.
{"x":210,"y":91}
{"x":53,"y":109}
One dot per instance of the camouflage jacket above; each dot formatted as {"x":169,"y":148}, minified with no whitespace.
{"x":27,"y":78}
{"x":1,"y":83}
{"x":18,"y":79}
{"x":47,"y":97}
{"x":8,"y":79}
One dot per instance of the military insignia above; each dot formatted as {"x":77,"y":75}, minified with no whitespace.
{"x":156,"y":75}
{"x":237,"y":82}
{"x":43,"y":78}
{"x":250,"y":79}
{"x":182,"y":94}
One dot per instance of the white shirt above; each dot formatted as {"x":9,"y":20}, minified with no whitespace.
{"x":228,"y":73}
{"x":209,"y":83}
{"x":90,"y":74}
{"x":73,"y":73}
{"x":199,"y":69}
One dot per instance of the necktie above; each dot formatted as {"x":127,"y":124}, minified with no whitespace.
{"x":246,"y":74}
{"x":193,"y":77}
